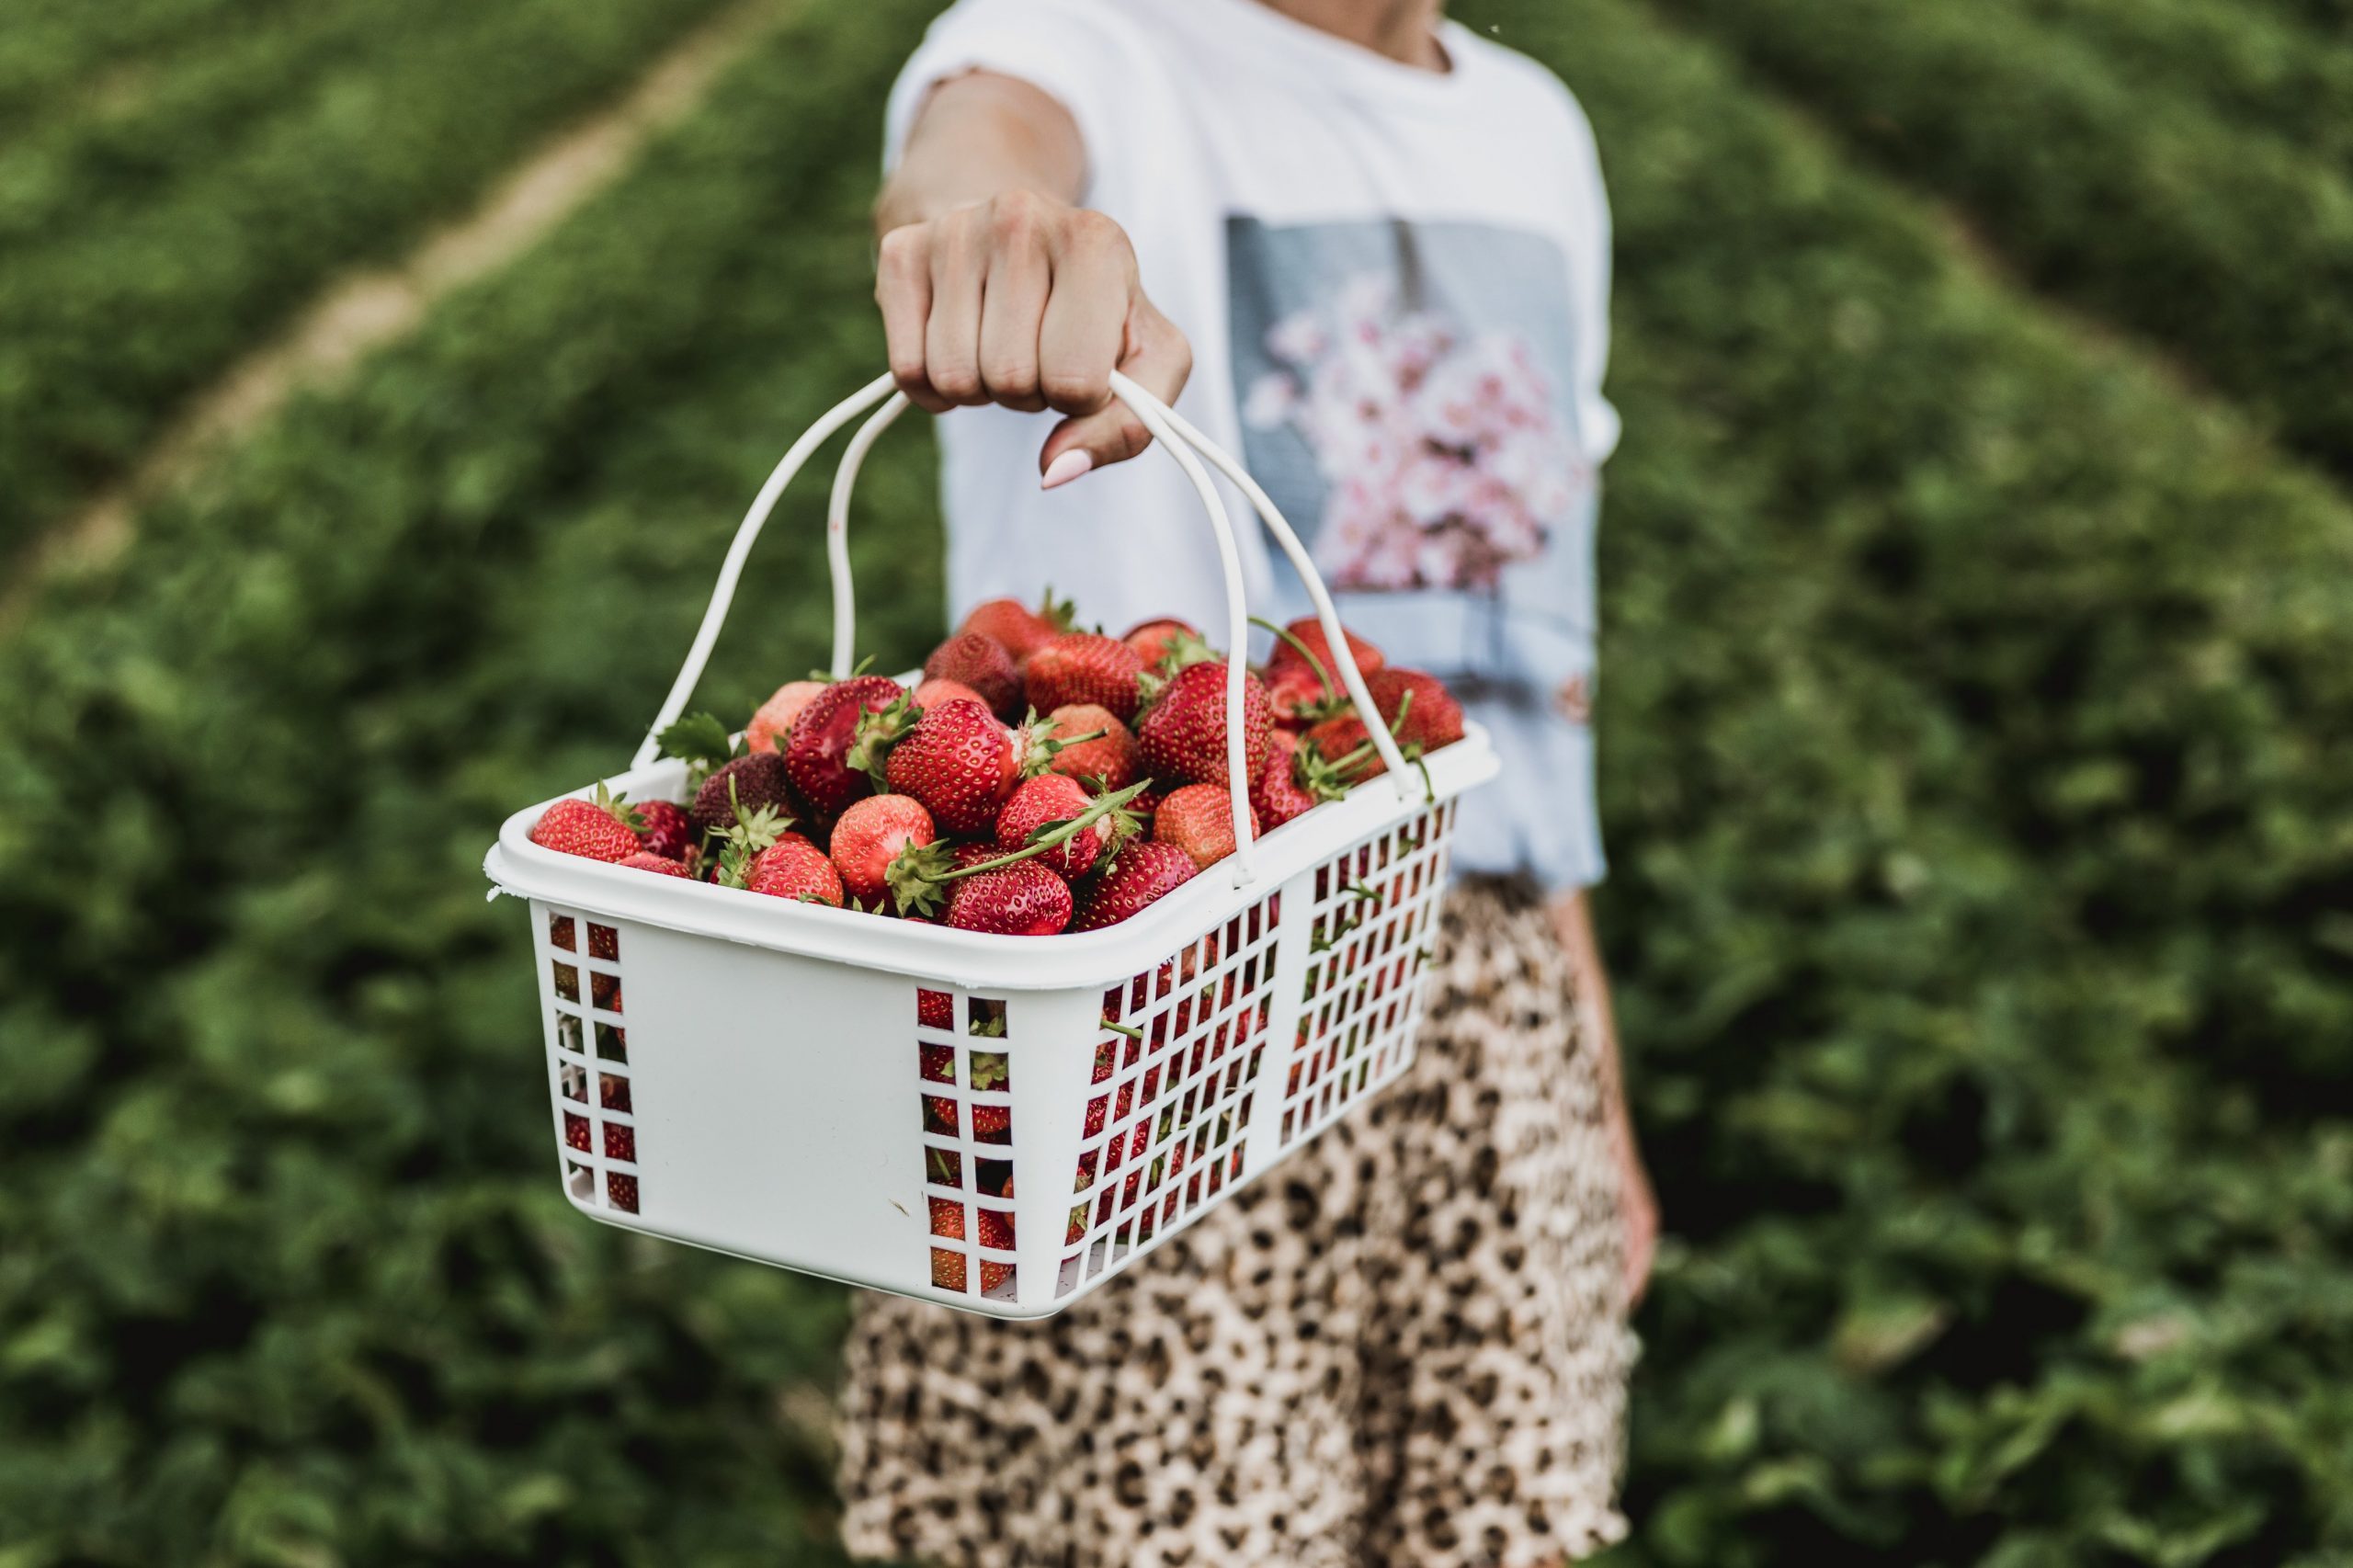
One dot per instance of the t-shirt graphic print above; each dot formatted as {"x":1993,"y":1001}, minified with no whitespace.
{"x":1420,"y":440}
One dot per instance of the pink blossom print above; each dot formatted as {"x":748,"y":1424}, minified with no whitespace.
{"x":1444,"y":458}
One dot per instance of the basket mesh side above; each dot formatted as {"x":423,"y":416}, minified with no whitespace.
{"x":967,"y":1110}
{"x":1374,"y":915}
{"x":589,"y":1074}
{"x":1173,"y":1074}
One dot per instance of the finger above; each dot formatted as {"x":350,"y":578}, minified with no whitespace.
{"x":1013,"y":304}
{"x":1160,"y":361}
{"x":1085,"y":332}
{"x":903,"y":291}
{"x":952,"y":346}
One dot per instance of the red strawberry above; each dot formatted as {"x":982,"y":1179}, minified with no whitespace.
{"x":996,"y":1228}
{"x":620,"y":1143}
{"x":597,"y":829}
{"x":994,"y":1274}
{"x":935,"y":1009}
{"x":1297,"y":697}
{"x":666,"y":828}
{"x":1021,"y":899}
{"x":1144,"y":808}
{"x":1309,"y":631}
{"x":1198,"y":819}
{"x":576,"y":1131}
{"x":1153,"y":638}
{"x":1183,"y":738}
{"x":1143,"y":875}
{"x":777,"y":715}
{"x":948,"y":1268}
{"x":758,"y":782}
{"x":661,"y":865}
{"x":1344,"y":744}
{"x":1050,"y":798}
{"x":797,"y":870}
{"x":1279,"y":796}
{"x":818,"y":754}
{"x":1021,"y":631}
{"x":991,"y":1123}
{"x":1111,"y":758}
{"x":1084,"y":667}
{"x":869,"y":836}
{"x":1433,"y":717}
{"x":980,"y":661}
{"x":958,"y":761}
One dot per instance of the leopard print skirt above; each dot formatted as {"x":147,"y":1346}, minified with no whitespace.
{"x":1403,"y":1347}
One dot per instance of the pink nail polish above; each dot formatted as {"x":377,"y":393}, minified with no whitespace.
{"x":1067,"y":466}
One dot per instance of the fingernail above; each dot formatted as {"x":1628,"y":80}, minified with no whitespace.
{"x":1067,"y":466}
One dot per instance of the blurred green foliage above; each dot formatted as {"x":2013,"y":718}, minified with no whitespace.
{"x":1976,"y":768}
{"x":2232,"y":246}
{"x":176,"y":203}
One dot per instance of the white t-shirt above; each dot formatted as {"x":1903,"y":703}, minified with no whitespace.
{"x":1396,"y":283}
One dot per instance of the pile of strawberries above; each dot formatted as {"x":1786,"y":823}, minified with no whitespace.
{"x":956,"y":803}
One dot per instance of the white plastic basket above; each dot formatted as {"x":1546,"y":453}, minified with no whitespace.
{"x":794,"y":1084}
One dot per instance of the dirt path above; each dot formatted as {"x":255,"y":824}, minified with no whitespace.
{"x":363,"y":311}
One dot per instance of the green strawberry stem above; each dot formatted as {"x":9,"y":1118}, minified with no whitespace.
{"x":878,"y":731}
{"x":920,"y":871}
{"x":1128,"y":1029}
{"x":1039,"y":754}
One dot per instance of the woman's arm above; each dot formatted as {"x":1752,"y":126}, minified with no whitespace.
{"x":1637,"y":1205}
{"x":996,"y":286}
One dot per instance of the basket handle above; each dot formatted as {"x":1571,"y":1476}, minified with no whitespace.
{"x":1172,"y":434}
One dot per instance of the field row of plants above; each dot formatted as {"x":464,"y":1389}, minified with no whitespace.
{"x":56,"y":49}
{"x":1975,"y":845}
{"x":1968,"y":761}
{"x":144,"y":243}
{"x":289,"y":1277}
{"x":2257,"y":68}
{"x":2231,"y":246}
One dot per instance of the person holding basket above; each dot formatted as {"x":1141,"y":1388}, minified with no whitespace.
{"x":1368,"y":251}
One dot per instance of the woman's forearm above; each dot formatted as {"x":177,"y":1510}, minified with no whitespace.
{"x":978,"y":136}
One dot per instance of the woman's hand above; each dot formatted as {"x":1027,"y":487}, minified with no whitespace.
{"x":994,"y":287}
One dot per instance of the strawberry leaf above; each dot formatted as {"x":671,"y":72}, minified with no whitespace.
{"x":700,"y":741}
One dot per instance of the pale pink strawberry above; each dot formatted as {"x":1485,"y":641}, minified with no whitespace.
{"x":932,"y":693}
{"x":775,"y":718}
{"x":869,"y":836}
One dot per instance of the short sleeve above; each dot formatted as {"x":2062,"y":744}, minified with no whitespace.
{"x":1076,"y":51}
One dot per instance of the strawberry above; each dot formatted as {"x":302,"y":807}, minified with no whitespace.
{"x":660,"y":865}
{"x":979,"y":661}
{"x":1297,"y":696}
{"x":666,"y":829}
{"x":1302,"y":643}
{"x":1417,"y":707}
{"x":958,"y":761}
{"x":1199,"y":820}
{"x":869,"y":836}
{"x":576,"y":1131}
{"x":1183,"y":738}
{"x":1020,"y":630}
{"x":1144,"y":808}
{"x":1020,"y":900}
{"x":797,"y":870}
{"x":932,"y":693}
{"x":1042,"y":802}
{"x":991,"y":1123}
{"x":1084,"y":667}
{"x":828,"y":752}
{"x":1111,"y":758}
{"x":996,"y":1228}
{"x":743,"y":787}
{"x":948,"y":1268}
{"x":994,"y":1274}
{"x":1279,"y":796}
{"x":620,"y":1143}
{"x":775,"y":718}
{"x":1153,"y":640}
{"x":1343,"y":745}
{"x":597,"y":829}
{"x":1143,"y":875}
